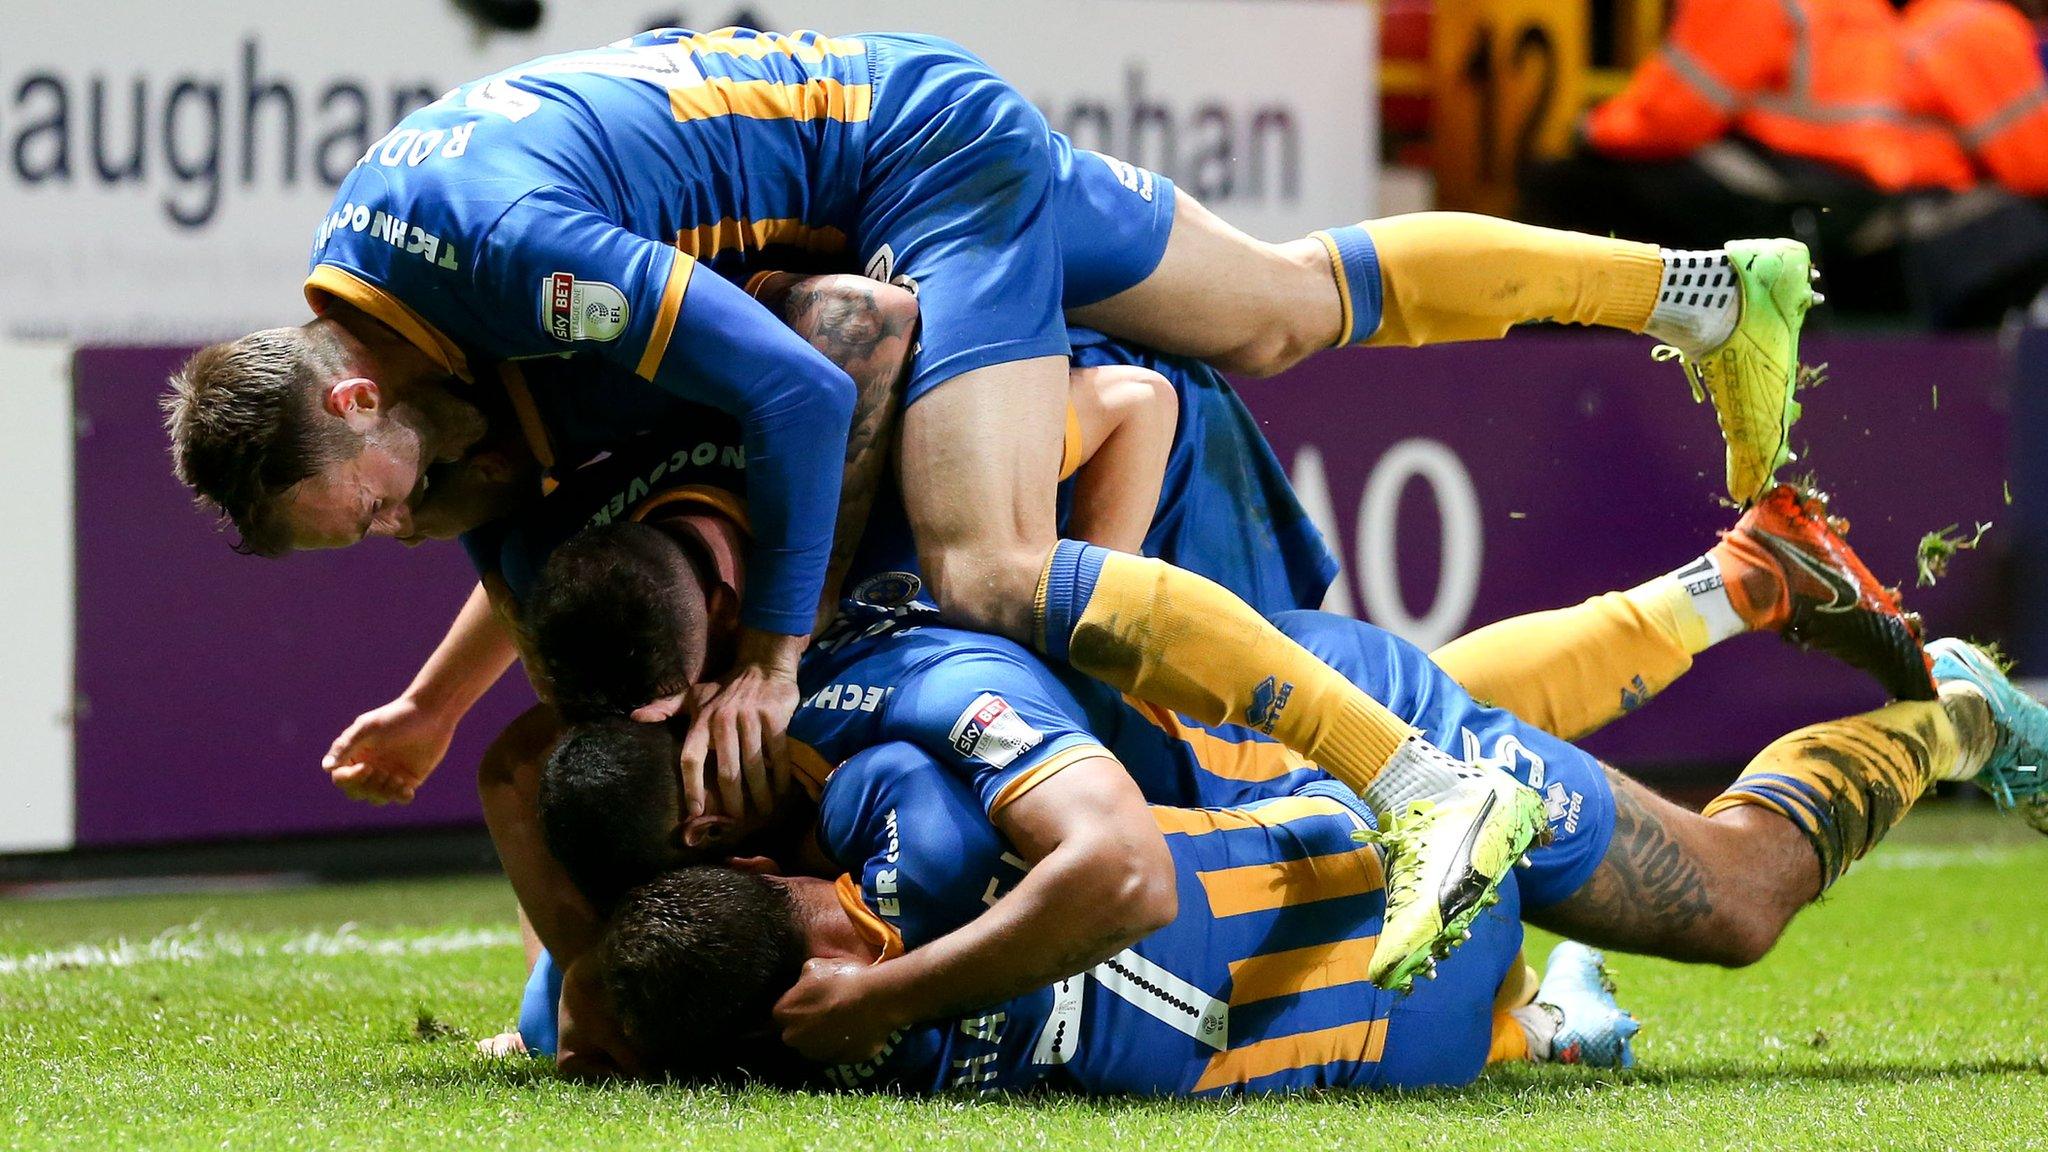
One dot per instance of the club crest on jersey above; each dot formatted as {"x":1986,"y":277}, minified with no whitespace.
{"x":991,"y":731}
{"x":574,"y":310}
{"x":888,"y":589}
{"x":1267,"y":701}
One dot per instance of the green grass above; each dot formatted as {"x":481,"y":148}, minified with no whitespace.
{"x":1906,"y":1011}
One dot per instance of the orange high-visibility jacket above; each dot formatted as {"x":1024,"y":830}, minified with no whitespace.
{"x":1972,"y":64}
{"x":1822,"y":79}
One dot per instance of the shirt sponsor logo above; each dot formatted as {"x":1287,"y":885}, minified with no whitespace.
{"x":574,"y":310}
{"x":992,"y":732}
{"x":849,"y":697}
{"x":400,"y":234}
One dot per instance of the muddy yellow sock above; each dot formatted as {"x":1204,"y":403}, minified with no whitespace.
{"x":1845,"y":783}
{"x":1448,"y":276}
{"x":1510,"y":1041}
{"x":1183,"y":642}
{"x":1571,"y":671}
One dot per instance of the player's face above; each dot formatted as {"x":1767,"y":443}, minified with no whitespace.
{"x":372,"y":493}
{"x":465,"y":495}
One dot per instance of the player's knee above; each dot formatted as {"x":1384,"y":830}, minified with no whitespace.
{"x":520,"y":749}
{"x":1744,"y":936}
{"x":1269,"y":347}
{"x":985,"y":589}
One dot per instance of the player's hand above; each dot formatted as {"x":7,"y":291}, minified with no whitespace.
{"x":831,"y":1016}
{"x":502,"y":1046}
{"x":741,"y":726}
{"x":389,"y":752}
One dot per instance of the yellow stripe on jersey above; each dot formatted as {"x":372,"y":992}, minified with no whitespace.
{"x":708,"y":240}
{"x":1283,"y":884}
{"x":679,"y":274}
{"x":809,"y":767}
{"x":822,"y":98}
{"x":1299,"y":970}
{"x":1251,"y":760}
{"x":811,"y":49}
{"x":531,"y":427}
{"x":1272,"y":814}
{"x":328,"y":281}
{"x":1363,"y":1042}
{"x":1070,"y":451}
{"x":1039,"y":773}
{"x":871,"y":927}
{"x":703,"y":495}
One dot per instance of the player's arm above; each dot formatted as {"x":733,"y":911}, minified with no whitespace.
{"x":1126,"y":417}
{"x":566,"y":279}
{"x":386,"y":754}
{"x":1101,"y":879}
{"x":866,"y":327}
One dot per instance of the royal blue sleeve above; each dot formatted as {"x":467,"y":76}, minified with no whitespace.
{"x":910,"y":834}
{"x":997,"y":719}
{"x":557,"y":277}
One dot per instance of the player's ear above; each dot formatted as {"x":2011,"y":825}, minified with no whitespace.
{"x":758,"y":865}
{"x":353,"y":397}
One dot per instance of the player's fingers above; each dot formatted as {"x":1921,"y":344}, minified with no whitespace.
{"x":775,"y":746}
{"x":656,"y":711}
{"x":696,"y":744}
{"x":725,"y":743}
{"x":760,"y":785}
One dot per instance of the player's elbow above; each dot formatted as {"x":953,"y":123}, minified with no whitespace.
{"x":516,"y":756}
{"x":1144,"y":892}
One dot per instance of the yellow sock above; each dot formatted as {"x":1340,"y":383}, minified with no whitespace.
{"x":1510,"y":1043}
{"x":1845,"y":783}
{"x":1183,"y":642}
{"x":1451,"y":276}
{"x":1572,"y":671}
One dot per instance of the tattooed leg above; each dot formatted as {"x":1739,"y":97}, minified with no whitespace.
{"x":1722,"y":885}
{"x":1685,"y":887}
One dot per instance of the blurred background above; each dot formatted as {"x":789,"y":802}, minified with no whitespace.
{"x":162,"y":167}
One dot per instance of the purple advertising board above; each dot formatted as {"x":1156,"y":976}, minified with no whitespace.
{"x":1465,"y":484}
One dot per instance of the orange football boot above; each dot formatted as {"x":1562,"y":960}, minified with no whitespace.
{"x":1788,"y":570}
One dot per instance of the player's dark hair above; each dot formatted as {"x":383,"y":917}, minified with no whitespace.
{"x":616,"y":622}
{"x":692,"y":963}
{"x":246,"y":424}
{"x":608,"y":804}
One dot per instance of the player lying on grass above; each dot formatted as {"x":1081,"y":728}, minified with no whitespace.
{"x":562,"y":206}
{"x":1254,"y":979}
{"x":1062,"y":768}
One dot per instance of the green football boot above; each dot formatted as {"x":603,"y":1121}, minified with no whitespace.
{"x":1751,"y":376}
{"x":1445,"y":859}
{"x":2016,"y":775}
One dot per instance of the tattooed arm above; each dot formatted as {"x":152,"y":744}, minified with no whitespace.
{"x":867,"y":328}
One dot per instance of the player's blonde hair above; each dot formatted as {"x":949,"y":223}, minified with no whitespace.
{"x":246,"y":424}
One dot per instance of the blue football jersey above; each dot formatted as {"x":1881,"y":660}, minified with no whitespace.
{"x":1257,"y":985}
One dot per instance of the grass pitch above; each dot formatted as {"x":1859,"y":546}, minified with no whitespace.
{"x":1906,"y":1011}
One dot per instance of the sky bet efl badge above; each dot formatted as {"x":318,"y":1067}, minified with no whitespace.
{"x":576,"y":309}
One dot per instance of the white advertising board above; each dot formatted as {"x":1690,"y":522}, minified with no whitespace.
{"x":162,"y":166}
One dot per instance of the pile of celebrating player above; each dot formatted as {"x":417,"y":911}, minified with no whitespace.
{"x":1073,"y":787}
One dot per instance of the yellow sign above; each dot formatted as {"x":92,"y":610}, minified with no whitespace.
{"x":1509,"y":81}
